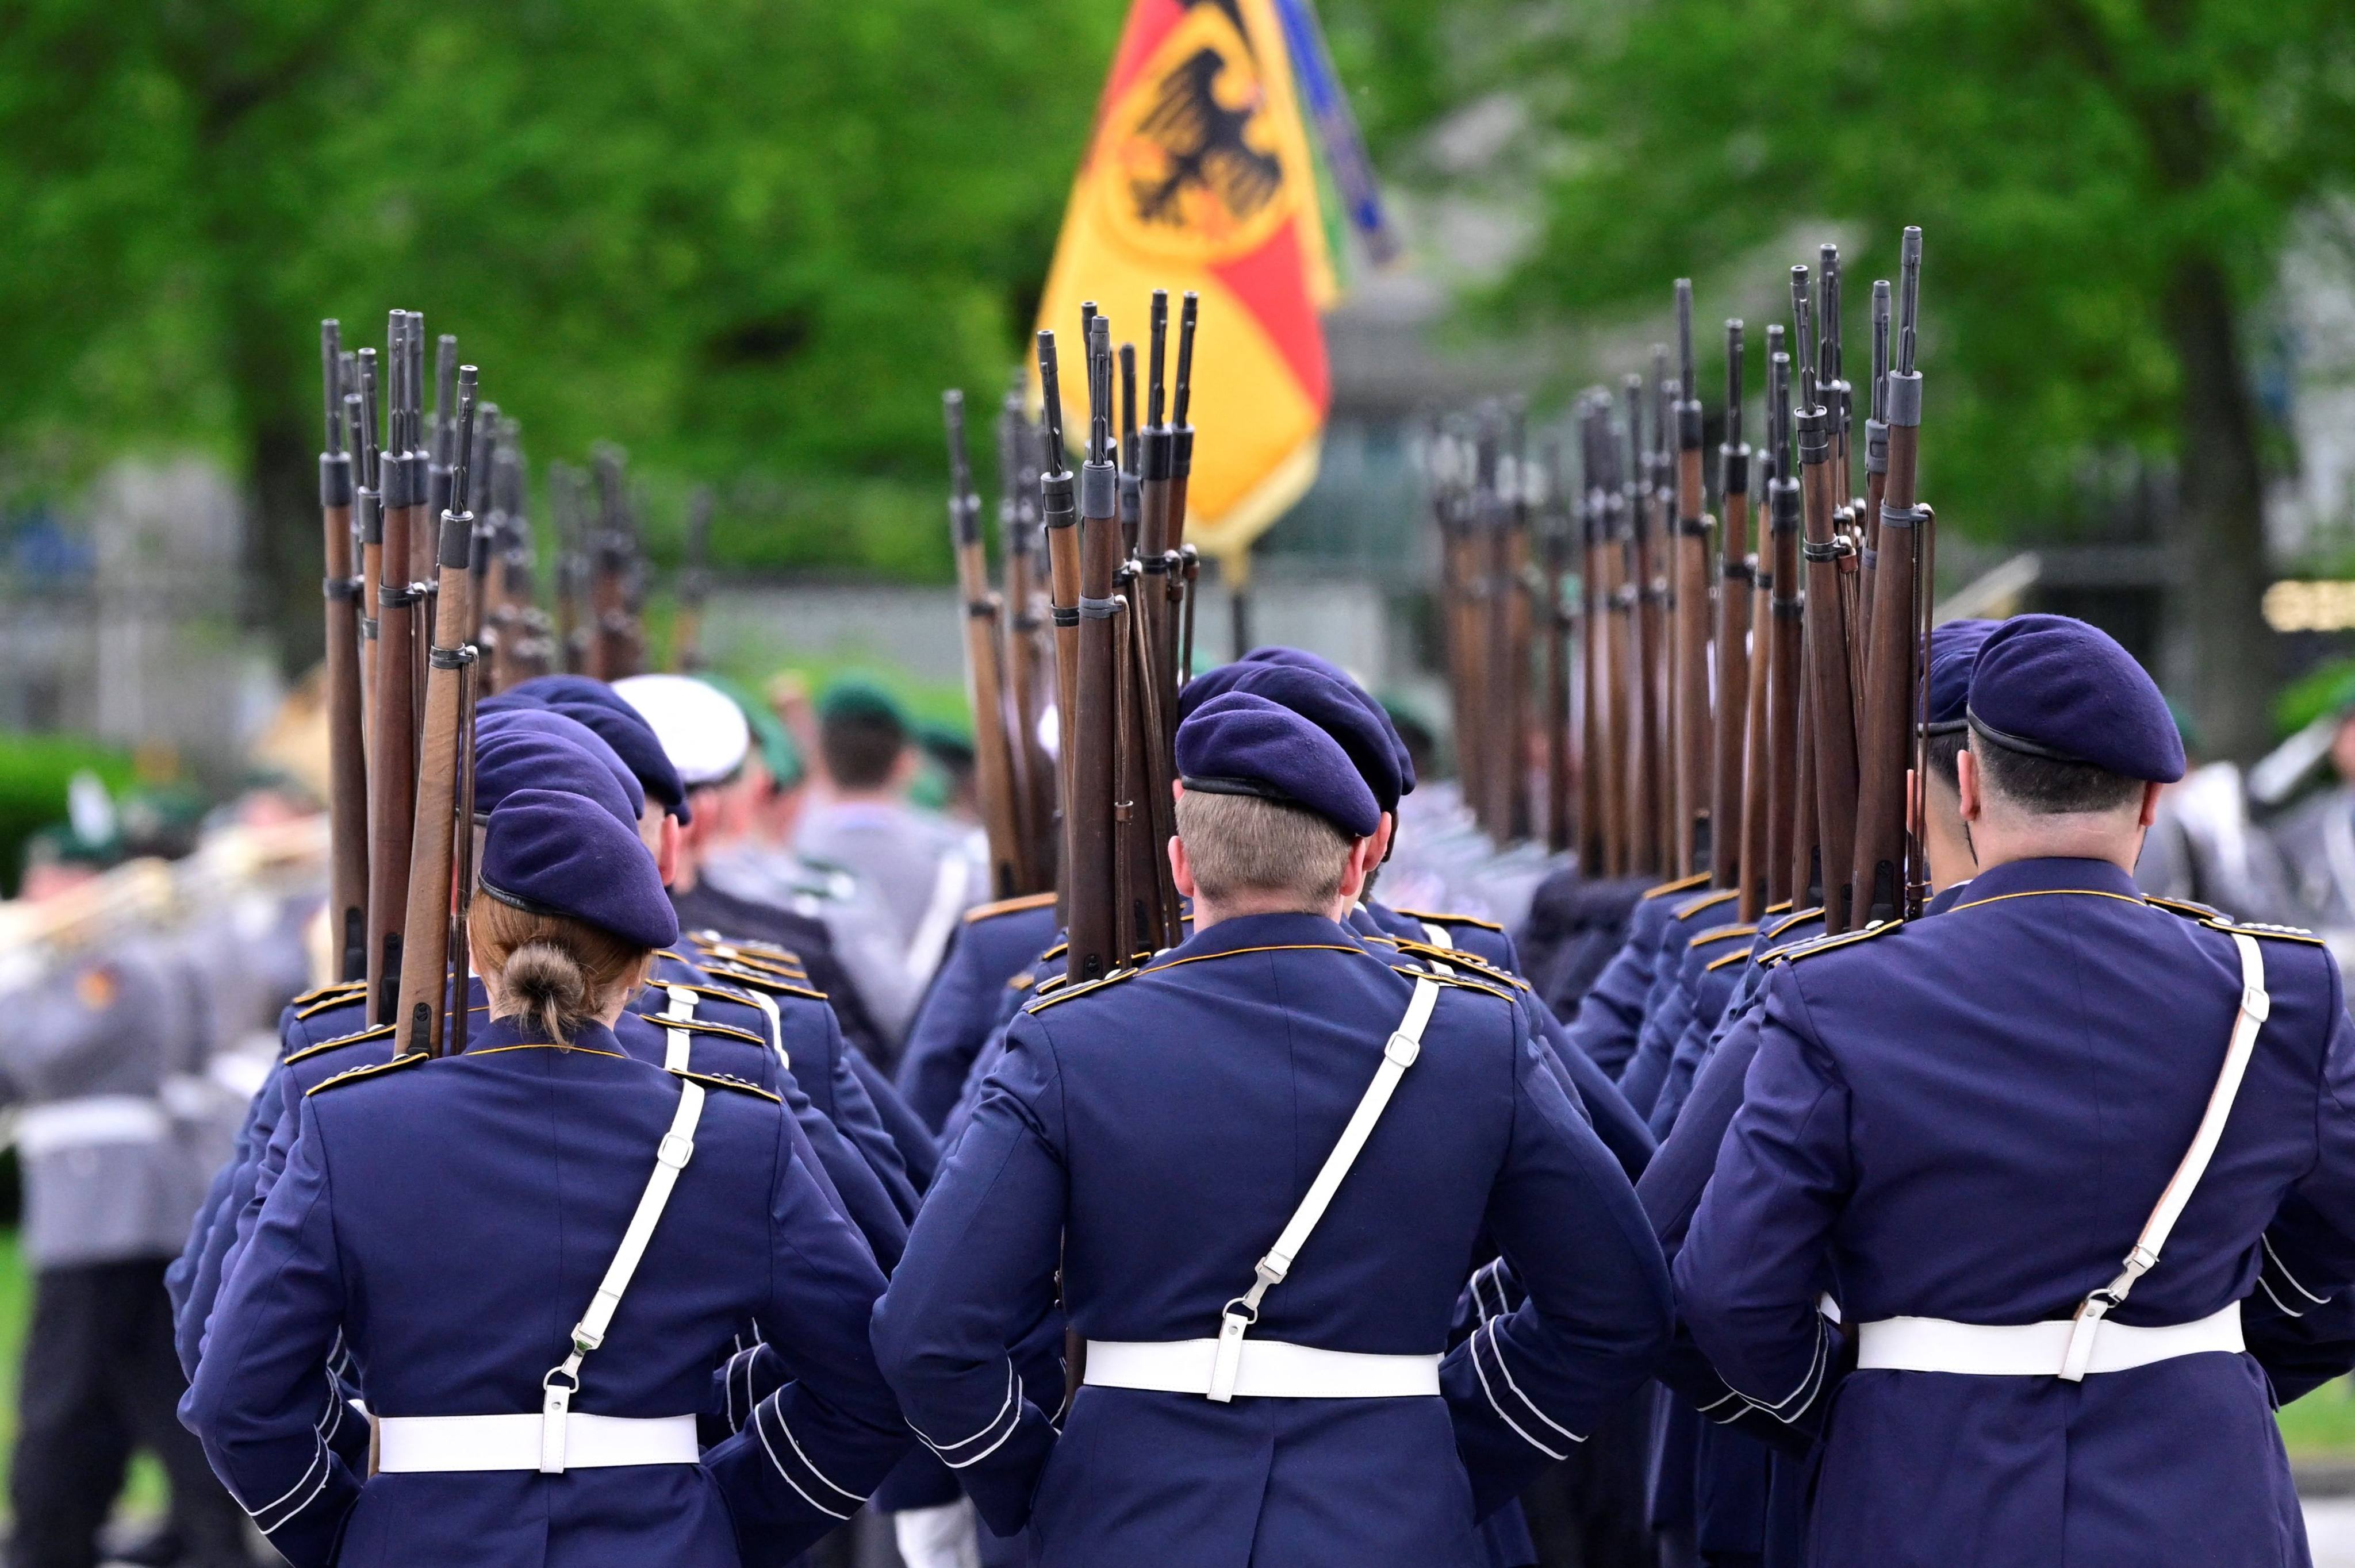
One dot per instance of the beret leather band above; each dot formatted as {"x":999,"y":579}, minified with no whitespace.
{"x":2011,"y":742}
{"x":518,"y":901}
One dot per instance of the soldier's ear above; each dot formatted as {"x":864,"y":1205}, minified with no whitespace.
{"x":1180,"y":870}
{"x":2150,"y":794}
{"x":1973,"y":800}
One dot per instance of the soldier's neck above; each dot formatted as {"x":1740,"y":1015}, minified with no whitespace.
{"x":1208,"y":912}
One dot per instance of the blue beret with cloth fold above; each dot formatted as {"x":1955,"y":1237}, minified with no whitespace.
{"x":612,"y":720}
{"x":523,"y":748}
{"x":552,"y":852}
{"x":1240,"y":744}
{"x":1245,"y":674}
{"x":1954,"y":653}
{"x":2053,"y":686}
{"x":1354,"y":721}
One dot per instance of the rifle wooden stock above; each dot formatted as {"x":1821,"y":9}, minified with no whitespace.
{"x":1831,"y":711}
{"x":1595,"y":836}
{"x":347,"y":845}
{"x":392,"y":750}
{"x":1887,"y":745}
{"x":1026,"y":669}
{"x":1559,"y":624}
{"x":1009,"y":869}
{"x":1689,"y":717}
{"x":1499,"y":689}
{"x":1728,"y":848}
{"x":1088,"y":846}
{"x":1785,"y":657}
{"x":1646,"y":773}
{"x":425,"y":942}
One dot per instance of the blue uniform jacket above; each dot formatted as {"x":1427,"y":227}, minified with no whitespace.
{"x":1152,"y":1134}
{"x":961,"y":1006}
{"x":1612,"y":1010}
{"x":1972,"y":1120}
{"x":450,"y":1219}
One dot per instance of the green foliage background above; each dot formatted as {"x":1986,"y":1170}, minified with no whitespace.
{"x":750,"y":240}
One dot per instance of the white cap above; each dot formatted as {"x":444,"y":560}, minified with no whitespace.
{"x":702,"y":730}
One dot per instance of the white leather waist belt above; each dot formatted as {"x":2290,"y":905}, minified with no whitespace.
{"x":1270,"y":1370}
{"x":2034,"y":1349}
{"x":431,"y":1443}
{"x":90,"y":1120}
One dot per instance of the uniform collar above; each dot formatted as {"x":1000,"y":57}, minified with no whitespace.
{"x":1947,"y":897}
{"x":1263,"y":931}
{"x":2055,"y":875}
{"x":511,"y":1030}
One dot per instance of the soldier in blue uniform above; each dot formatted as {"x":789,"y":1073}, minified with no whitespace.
{"x":1958,"y":1129}
{"x":1295,"y":1408}
{"x":443,"y":1220}
{"x":993,"y":943}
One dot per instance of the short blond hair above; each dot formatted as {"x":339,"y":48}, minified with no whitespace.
{"x":1244,"y":844}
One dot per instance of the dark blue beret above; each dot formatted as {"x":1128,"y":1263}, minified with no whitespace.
{"x":1244,"y":745}
{"x":568,"y":689}
{"x":1953,"y":650}
{"x":633,"y":739}
{"x":556,"y":854}
{"x":2052,"y":686}
{"x":1334,"y":709}
{"x":510,"y":757}
{"x":1245,"y":673}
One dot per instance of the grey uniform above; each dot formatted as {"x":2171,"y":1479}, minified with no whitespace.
{"x":2316,"y":843}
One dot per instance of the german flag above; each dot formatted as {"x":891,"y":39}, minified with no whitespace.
{"x":1198,"y":175}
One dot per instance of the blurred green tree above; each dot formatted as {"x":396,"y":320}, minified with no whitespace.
{"x":2105,"y":187}
{"x":750,"y":240}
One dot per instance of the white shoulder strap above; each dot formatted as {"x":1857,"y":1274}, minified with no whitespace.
{"x":1398,"y":1055}
{"x":2255,"y":1005}
{"x":951,"y":876}
{"x":563,"y":1381}
{"x":676,"y":1055}
{"x":1438,"y":936}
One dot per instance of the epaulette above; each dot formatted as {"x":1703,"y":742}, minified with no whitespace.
{"x":381,"y":1031}
{"x":2261,"y":928}
{"x":1722,"y":934}
{"x":354,"y":1075}
{"x":1459,"y":959}
{"x":774,"y":985}
{"x":1732,"y":958}
{"x":1681,"y":884}
{"x":1022,"y":981}
{"x":1008,"y":907}
{"x":762,"y":962}
{"x":329,"y":1003}
{"x":2185,"y":908}
{"x":1710,"y":901}
{"x":332,"y":987}
{"x":1466,"y":981}
{"x":1068,"y":992}
{"x":1781,"y":907}
{"x":1792,"y":918}
{"x":1056,"y":951}
{"x":727,"y":1081}
{"x":1808,"y":949}
{"x":725,"y":994}
{"x":1451,"y":919}
{"x":707,"y":1026}
{"x":1054,"y":983}
{"x":710,"y":941}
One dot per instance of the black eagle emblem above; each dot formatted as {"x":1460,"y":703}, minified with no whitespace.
{"x":1203,"y":140}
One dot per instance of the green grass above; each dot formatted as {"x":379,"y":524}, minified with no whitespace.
{"x":2322,"y":1424}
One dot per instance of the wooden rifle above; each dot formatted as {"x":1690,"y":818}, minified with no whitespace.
{"x":617,"y":645}
{"x":1610,"y":637}
{"x":346,"y":721}
{"x":1693,"y":742}
{"x":1561,"y":624}
{"x":1876,"y":430}
{"x":1831,"y":694}
{"x":430,"y":942}
{"x":1885,"y":864}
{"x":1730,"y":855}
{"x":1595,"y":835}
{"x":1009,"y":871}
{"x":1059,"y":512}
{"x":1028,"y":663}
{"x":1790,"y":812}
{"x":392,"y":747}
{"x":1090,"y":848}
{"x":1641,"y":688}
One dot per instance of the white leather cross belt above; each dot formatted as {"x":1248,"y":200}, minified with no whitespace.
{"x":1270,"y":1370}
{"x":2034,"y":1349}
{"x":435,"y":1443}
